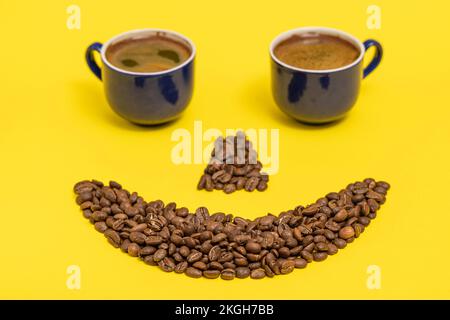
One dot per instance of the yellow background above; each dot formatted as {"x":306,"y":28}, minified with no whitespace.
{"x":56,"y":128}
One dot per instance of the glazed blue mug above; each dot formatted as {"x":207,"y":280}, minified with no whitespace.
{"x":320,"y":96}
{"x":145,"y":98}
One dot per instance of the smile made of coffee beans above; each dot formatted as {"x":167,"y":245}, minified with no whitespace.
{"x":220,"y":245}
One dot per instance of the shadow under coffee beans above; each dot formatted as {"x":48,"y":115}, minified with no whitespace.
{"x":219,"y":245}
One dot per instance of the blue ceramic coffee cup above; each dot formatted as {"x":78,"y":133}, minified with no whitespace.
{"x":320,"y":96}
{"x":145,"y":98}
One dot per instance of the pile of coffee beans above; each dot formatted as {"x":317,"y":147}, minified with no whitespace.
{"x":233,"y":166}
{"x":220,"y":245}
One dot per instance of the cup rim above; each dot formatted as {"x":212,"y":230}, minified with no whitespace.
{"x":324,"y":30}
{"x":126,"y":34}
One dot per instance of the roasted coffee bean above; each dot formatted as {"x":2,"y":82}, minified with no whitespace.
{"x":254,"y":265}
{"x":138,"y":237}
{"x":383,"y":184}
{"x":284,"y":252}
{"x":205,"y":235}
{"x":307,"y":240}
{"x":109,"y":194}
{"x":307,"y":255}
{"x":184,"y":251}
{"x":253,"y":257}
{"x":296,"y":251}
{"x":113,"y":237}
{"x":114,"y":184}
{"x":200,"y":265}
{"x":87,"y":213}
{"x":361,"y":190}
{"x":147,"y":250}
{"x":322,"y":246}
{"x":319,"y":256}
{"x":373,"y":205}
{"x":310,"y":210}
{"x":229,"y":265}
{"x":101,"y":226}
{"x":332,"y":196}
{"x":240,"y":183}
{"x":160,"y":254}
{"x":181,"y":267}
{"x":358,"y":198}
{"x":216,"y":265}
{"x":300,"y":263}
{"x":227,"y":274}
{"x":380,"y":190}
{"x":341,"y":215}
{"x":332,"y":249}
{"x":346,"y":232}
{"x":262,"y":185}
{"x":189,"y":242}
{"x":310,"y":247}
{"x":153,"y":240}
{"x":320,"y":238}
{"x":214,"y":253}
{"x":253,"y":247}
{"x":251,"y":184}
{"x":226,"y":257}
{"x":328,"y":234}
{"x":332,"y":225}
{"x":211,"y":274}
{"x":291,"y":242}
{"x":340,"y":243}
{"x":229,"y":188}
{"x":365,"y":221}
{"x":258,"y":273}
{"x":99,"y":216}
{"x":149,"y":260}
{"x":86,"y":205}
{"x":133,"y":249}
{"x":193,"y":273}
{"x":287,"y":266}
{"x":359,"y":228}
{"x":166,"y":265}
{"x":242,"y":272}
{"x":218,"y":238}
{"x":124,"y":245}
{"x":365,"y":209}
{"x":194,"y":256}
{"x":269,"y":272}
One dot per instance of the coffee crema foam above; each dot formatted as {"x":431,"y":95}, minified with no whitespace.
{"x":315,"y":51}
{"x":150,"y":54}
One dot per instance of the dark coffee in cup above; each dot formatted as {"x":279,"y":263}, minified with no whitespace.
{"x":150,"y":54}
{"x":316,"y":51}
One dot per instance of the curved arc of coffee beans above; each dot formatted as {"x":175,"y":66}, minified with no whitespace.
{"x":220,"y":245}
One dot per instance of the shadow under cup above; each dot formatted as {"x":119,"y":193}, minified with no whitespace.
{"x":145,"y":98}
{"x":320,"y":96}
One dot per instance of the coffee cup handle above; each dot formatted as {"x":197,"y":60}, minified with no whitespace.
{"x":96,"y":46}
{"x":376,"y":59}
